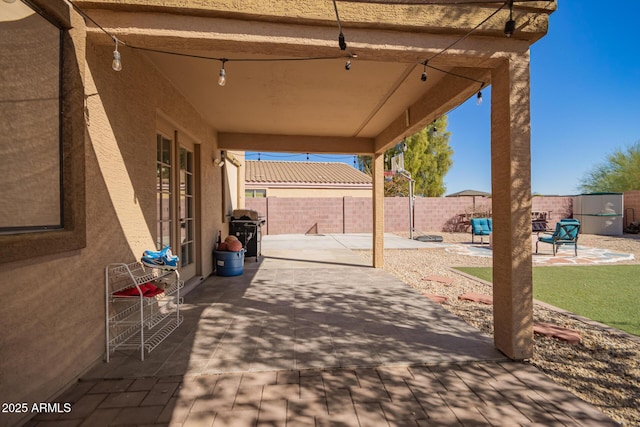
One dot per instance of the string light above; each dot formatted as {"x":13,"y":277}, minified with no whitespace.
{"x":509,"y":30}
{"x":510,"y":26}
{"x":222,"y":80}
{"x":479,"y":96}
{"x":117,"y":63}
{"x":347,"y":65}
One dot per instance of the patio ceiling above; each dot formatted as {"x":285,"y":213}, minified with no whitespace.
{"x":317,"y":105}
{"x":298,"y":97}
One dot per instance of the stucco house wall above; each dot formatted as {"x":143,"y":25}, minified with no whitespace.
{"x":53,"y":306}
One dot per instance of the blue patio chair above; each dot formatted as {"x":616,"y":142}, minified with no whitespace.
{"x":481,"y":227}
{"x":566,"y":233}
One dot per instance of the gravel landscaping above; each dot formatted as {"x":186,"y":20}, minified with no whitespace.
{"x":604,"y":369}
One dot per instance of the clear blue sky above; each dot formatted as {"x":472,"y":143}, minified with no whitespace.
{"x":585,"y":102}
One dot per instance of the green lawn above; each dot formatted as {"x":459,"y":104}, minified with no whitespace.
{"x":607,"y":294}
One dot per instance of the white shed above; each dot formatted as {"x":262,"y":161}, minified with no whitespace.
{"x":599,"y":213}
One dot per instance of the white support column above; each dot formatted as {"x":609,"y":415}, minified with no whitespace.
{"x":377,"y":163}
{"x":511,"y":202}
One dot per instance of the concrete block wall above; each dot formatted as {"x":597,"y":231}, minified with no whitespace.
{"x":559,"y":206}
{"x":288,"y":215}
{"x":396,"y":214}
{"x":354,"y":214}
{"x":358,"y":216}
{"x":631,"y":206}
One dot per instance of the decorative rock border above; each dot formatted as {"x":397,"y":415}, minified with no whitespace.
{"x":547,"y":329}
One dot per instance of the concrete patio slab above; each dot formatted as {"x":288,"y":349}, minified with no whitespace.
{"x":303,"y":309}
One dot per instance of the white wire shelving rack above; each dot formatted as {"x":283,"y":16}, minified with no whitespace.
{"x":139,"y":322}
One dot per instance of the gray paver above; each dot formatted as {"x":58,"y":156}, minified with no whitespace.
{"x":370,"y":415}
{"x":123,"y":400}
{"x":138,"y":416}
{"x":273,"y":413}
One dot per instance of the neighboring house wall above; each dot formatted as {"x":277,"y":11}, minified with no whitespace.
{"x":53,"y":311}
{"x":353,"y":214}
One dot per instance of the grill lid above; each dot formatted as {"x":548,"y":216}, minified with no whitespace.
{"x":245,"y":214}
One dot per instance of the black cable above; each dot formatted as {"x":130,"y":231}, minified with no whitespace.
{"x":341,"y":42}
{"x":470,"y":32}
{"x":213,"y":58}
{"x":456,"y":74}
{"x":84,"y":15}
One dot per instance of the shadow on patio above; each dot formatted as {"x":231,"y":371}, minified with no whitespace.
{"x":311,"y":336}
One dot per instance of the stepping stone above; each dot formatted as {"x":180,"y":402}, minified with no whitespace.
{"x":472,"y":296}
{"x":436,"y":298}
{"x":553,"y":331}
{"x":439,"y":279}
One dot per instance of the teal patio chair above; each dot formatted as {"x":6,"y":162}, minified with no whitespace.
{"x":481,"y":227}
{"x":566,"y":233}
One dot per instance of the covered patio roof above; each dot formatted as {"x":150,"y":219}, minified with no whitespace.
{"x":286,"y":74}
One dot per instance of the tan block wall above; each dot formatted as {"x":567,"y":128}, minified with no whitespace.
{"x":302,"y":215}
{"x":53,"y":307}
{"x":354,"y":215}
{"x":631,"y":206}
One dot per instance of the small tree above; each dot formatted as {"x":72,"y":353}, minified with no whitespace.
{"x":619,"y":173}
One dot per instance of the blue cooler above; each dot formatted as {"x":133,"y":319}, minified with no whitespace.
{"x":229,"y":263}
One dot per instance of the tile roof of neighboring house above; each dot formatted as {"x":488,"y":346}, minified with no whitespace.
{"x":303,"y":172}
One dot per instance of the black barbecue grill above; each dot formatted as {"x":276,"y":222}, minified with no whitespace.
{"x":246,"y":226}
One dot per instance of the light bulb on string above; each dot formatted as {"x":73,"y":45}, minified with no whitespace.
{"x":117,"y":63}
{"x":479,"y":96}
{"x":347,"y":65}
{"x":423,"y":77}
{"x":222,"y":80}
